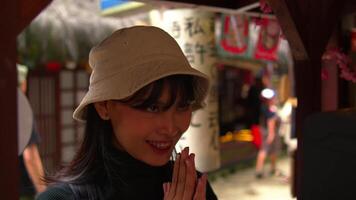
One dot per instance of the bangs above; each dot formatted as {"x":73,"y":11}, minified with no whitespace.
{"x":181,"y":89}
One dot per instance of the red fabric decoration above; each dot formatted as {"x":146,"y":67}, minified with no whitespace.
{"x":342,"y":61}
{"x":268,"y":40}
{"x":265,"y":7}
{"x":53,"y":66}
{"x":240,"y":32}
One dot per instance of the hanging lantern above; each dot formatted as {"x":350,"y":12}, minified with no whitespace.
{"x":53,"y":66}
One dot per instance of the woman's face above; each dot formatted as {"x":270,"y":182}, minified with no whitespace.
{"x":150,"y":134}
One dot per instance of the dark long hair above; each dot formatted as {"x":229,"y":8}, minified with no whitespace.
{"x":90,"y":159}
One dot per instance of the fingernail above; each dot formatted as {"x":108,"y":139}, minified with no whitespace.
{"x":186,"y":150}
{"x":187,"y":161}
{"x":181,"y":155}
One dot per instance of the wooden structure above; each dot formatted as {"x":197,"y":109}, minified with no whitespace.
{"x":15,"y":15}
{"x":307,"y":25}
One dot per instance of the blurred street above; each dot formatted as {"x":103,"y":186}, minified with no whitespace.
{"x":242,"y":184}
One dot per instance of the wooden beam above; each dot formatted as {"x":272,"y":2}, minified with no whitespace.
{"x":27,"y":11}
{"x":9,"y":168}
{"x":290,"y":31}
{"x":307,"y":25}
{"x":227,"y":4}
{"x":15,"y":15}
{"x":255,"y":66}
{"x":349,"y":7}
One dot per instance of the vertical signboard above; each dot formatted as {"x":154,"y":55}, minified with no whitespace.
{"x":195,"y":32}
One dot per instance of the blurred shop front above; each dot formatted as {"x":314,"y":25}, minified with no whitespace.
{"x":233,"y":50}
{"x":253,"y":55}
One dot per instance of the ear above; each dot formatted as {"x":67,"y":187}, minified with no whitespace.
{"x":102,"y":109}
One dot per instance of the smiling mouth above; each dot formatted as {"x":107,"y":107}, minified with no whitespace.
{"x":160,"y":145}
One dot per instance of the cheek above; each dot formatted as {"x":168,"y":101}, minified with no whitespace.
{"x":184,"y":121}
{"x":130,"y":127}
{"x":126,"y":134}
{"x":121,"y":127}
{"x":118,"y":137}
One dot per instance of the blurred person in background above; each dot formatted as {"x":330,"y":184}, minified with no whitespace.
{"x":31,"y":168}
{"x":269,"y":129}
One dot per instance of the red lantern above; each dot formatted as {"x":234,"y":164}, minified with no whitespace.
{"x":53,"y":66}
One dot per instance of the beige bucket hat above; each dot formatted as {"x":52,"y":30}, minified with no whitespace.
{"x":130,"y":59}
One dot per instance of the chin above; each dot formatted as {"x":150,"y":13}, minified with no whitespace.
{"x":158,"y":163}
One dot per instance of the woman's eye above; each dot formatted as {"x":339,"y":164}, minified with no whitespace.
{"x":184,"y":107}
{"x":152,"y":108}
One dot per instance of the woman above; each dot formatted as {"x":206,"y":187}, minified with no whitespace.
{"x":141,"y":96}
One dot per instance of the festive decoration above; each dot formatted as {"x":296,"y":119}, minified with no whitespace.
{"x":342,"y":61}
{"x":258,"y":21}
{"x":265,"y":7}
{"x":268,"y":40}
{"x":235,"y":34}
{"x":53,"y":66}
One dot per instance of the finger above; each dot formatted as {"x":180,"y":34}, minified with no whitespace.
{"x":205,"y":181}
{"x":195,"y":169}
{"x":200,"y":192}
{"x":166,"y":189}
{"x":173,"y":185}
{"x":165,"y":192}
{"x":181,"y":174}
{"x":190,"y":180}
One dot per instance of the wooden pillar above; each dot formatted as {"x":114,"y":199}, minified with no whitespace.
{"x":329,"y":86}
{"x":8,"y":116}
{"x":307,"y":25}
{"x":15,"y":15}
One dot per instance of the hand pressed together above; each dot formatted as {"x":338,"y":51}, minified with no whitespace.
{"x":185,"y":184}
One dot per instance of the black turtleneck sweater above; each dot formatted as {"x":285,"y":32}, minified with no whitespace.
{"x":122,"y":177}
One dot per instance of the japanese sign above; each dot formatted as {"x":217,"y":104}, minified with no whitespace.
{"x":194,"y":31}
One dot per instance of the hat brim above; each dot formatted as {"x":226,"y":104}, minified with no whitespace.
{"x":137,"y":77}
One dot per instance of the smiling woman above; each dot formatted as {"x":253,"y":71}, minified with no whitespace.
{"x":140,"y":101}
{"x":150,"y":123}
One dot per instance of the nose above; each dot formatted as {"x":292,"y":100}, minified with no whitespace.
{"x":168,"y":124}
